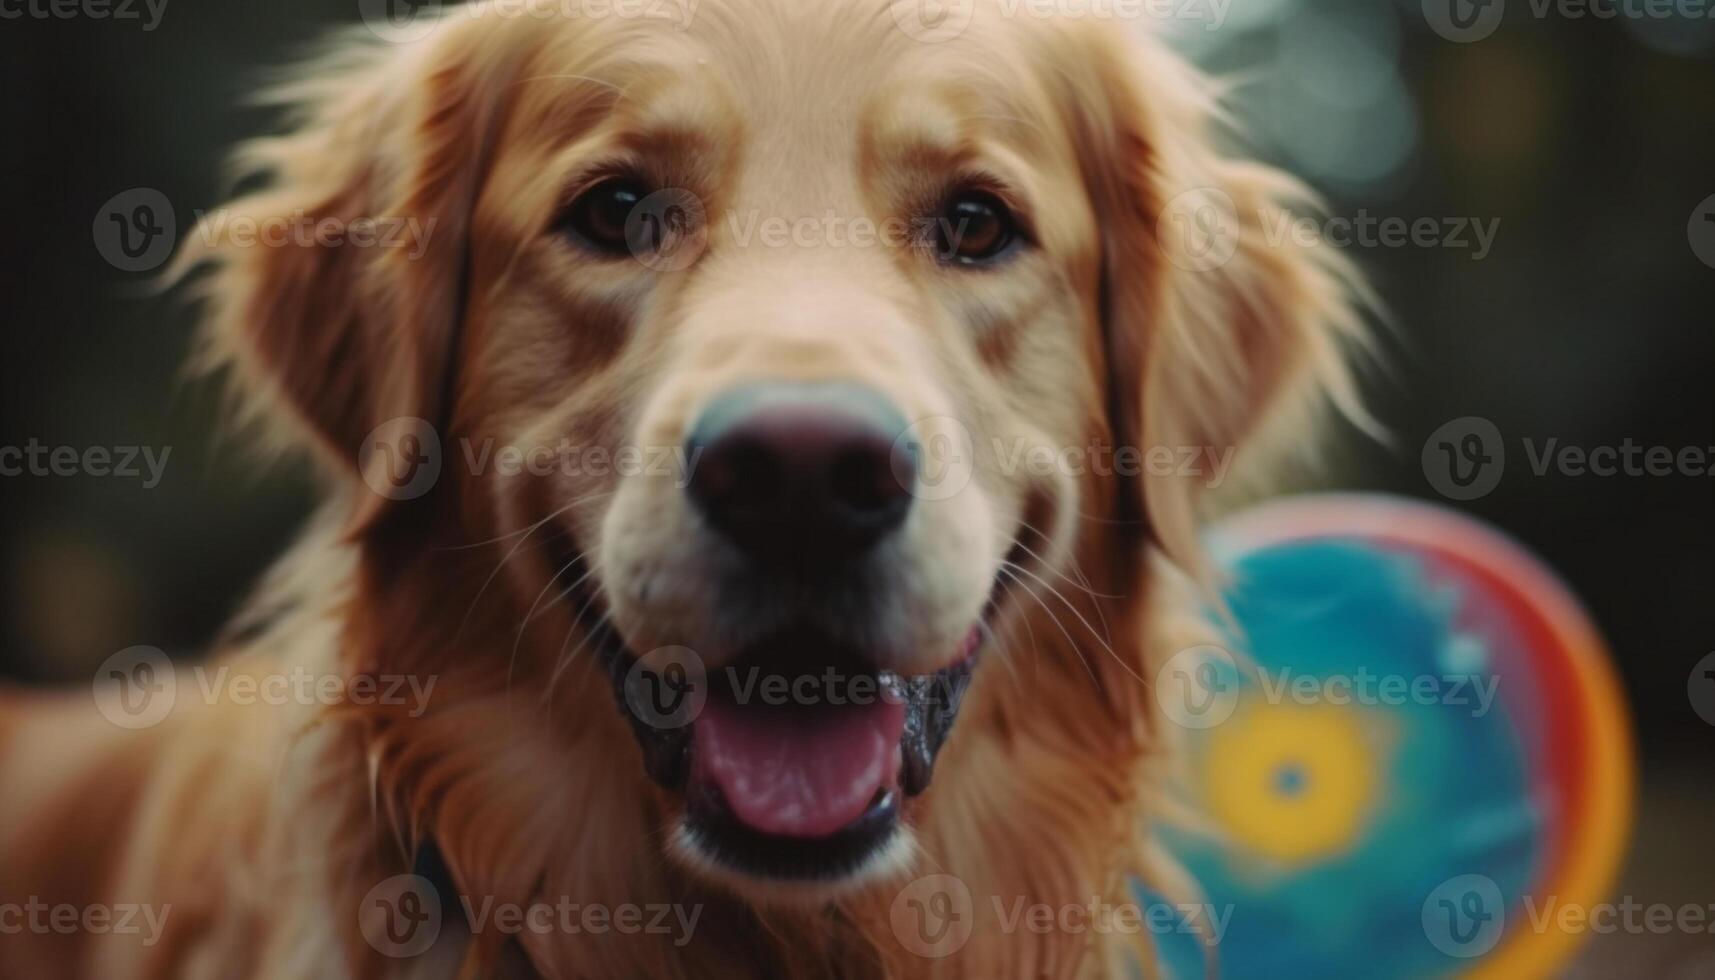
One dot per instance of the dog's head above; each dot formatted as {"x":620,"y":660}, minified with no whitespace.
{"x":800,"y":365}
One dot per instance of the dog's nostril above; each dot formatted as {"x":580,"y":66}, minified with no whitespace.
{"x":801,"y":472}
{"x":739,"y":474}
{"x":869,"y":479}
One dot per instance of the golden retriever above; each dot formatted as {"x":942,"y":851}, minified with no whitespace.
{"x":825,"y":343}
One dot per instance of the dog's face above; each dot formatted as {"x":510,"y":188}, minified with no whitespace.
{"x":834,"y":291}
{"x":816,"y":335}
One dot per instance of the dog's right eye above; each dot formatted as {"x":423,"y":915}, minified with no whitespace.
{"x":598,"y":218}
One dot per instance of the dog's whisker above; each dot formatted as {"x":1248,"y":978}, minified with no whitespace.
{"x":1003,"y":653}
{"x":509,"y":554}
{"x":1082,"y":582}
{"x":1028,"y":629}
{"x":1073,"y":644}
{"x":523,"y":530}
{"x":1106,"y":642}
{"x":600,"y":629}
{"x":518,"y":639}
{"x":564,"y":660}
{"x":566,"y":592}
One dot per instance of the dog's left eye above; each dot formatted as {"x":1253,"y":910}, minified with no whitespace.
{"x":598,"y":218}
{"x":974,"y":227}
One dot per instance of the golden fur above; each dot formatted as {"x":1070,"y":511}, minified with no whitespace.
{"x":263,"y":828}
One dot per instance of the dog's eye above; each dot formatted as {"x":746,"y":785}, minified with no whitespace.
{"x":598,"y":218}
{"x":974,"y":227}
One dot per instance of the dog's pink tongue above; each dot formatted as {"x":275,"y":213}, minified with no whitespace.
{"x":798,"y":773}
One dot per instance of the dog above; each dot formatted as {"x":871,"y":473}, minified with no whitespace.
{"x":824,"y":348}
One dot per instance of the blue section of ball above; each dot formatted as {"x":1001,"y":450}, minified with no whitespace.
{"x":1416,"y":651}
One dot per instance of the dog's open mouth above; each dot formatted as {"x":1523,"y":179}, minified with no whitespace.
{"x":796,"y":759}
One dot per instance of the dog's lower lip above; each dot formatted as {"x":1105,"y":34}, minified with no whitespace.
{"x":731,"y":843}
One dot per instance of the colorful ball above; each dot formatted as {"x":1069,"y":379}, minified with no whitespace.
{"x":1410,"y":739}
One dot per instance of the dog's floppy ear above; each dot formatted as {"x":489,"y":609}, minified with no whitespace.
{"x":1222,"y":333}
{"x":335,"y":290}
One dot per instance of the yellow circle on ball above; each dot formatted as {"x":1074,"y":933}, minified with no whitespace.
{"x":1292,"y":782}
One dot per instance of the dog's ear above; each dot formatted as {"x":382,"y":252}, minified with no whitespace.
{"x":1223,"y":334}
{"x":334,"y":291}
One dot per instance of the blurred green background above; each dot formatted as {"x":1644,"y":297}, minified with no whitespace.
{"x":1591,"y":141}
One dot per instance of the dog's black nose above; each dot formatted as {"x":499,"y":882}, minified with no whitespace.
{"x":798,"y":473}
